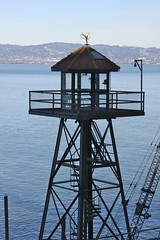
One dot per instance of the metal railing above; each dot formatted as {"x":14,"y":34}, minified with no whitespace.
{"x":100,"y":99}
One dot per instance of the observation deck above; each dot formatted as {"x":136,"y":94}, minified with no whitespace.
{"x":85,"y":91}
{"x":86,"y":104}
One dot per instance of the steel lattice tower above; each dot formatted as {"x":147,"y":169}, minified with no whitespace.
{"x":85,"y":184}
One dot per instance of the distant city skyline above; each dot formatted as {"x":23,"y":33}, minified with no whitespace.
{"x":124,"y":23}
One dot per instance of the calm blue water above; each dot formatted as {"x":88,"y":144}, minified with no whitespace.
{"x":27,"y":142}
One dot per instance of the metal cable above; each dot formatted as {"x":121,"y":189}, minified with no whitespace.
{"x":141,"y":173}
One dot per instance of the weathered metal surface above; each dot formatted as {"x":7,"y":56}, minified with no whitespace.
{"x":121,"y":104}
{"x":147,"y":193}
{"x":86,"y":151}
{"x":81,"y":198}
{"x":85,"y":59}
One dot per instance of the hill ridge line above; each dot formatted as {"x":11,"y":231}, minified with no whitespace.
{"x":50,"y":53}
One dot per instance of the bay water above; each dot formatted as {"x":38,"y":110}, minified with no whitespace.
{"x":27,"y":142}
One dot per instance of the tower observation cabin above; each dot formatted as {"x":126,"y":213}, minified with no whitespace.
{"x":85,"y":90}
{"x":85,"y":185}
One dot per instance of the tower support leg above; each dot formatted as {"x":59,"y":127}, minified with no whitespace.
{"x":51,"y":179}
{"x":83,"y":179}
{"x":85,"y":183}
{"x":120,"y":179}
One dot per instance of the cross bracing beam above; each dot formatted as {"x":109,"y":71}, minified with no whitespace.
{"x":146,"y":196}
{"x":85,"y":185}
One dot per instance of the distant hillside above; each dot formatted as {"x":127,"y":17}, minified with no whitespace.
{"x":50,"y":53}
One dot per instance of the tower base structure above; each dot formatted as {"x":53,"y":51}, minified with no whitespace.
{"x":85,"y":188}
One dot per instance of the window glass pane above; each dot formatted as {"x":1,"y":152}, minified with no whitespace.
{"x":102,"y":80}
{"x":86,"y":81}
{"x":68,"y":81}
{"x":97,"y":55}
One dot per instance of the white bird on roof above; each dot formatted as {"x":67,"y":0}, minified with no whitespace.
{"x":87,"y":36}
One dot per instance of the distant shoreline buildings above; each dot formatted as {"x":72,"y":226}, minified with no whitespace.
{"x":50,"y":53}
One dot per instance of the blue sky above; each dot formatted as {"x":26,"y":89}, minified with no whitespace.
{"x":112,"y":22}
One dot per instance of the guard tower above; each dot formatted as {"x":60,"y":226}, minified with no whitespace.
{"x":85,"y":186}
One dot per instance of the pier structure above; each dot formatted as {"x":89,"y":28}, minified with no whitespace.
{"x":85,"y":185}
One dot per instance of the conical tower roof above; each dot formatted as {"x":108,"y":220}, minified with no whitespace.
{"x":85,"y":59}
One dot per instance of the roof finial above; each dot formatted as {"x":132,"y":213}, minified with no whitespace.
{"x":86,"y":36}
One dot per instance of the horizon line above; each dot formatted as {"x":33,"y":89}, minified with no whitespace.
{"x":38,"y":44}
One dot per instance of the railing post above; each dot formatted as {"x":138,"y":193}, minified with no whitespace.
{"x":141,"y":101}
{"x":112,"y":100}
{"x":6,"y":217}
{"x":116,"y":100}
{"x":29,"y":100}
{"x":53,"y":101}
{"x":79,"y":99}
